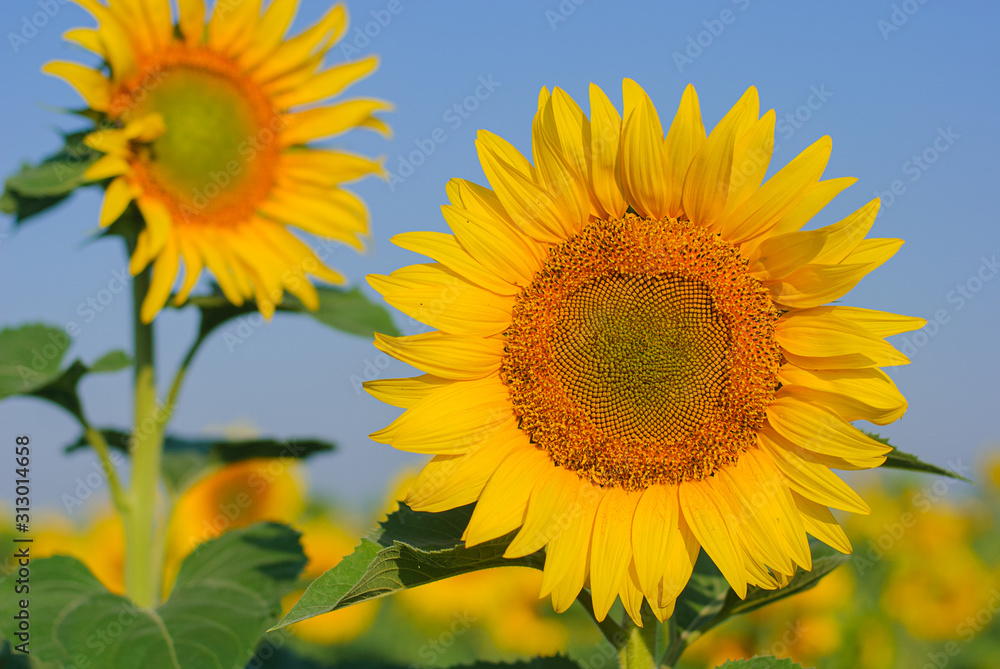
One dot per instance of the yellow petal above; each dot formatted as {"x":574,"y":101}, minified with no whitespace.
{"x":293,"y":53}
{"x":854,"y":394}
{"x":451,"y":481}
{"x":89,"y":83}
{"x":631,"y":595}
{"x":504,"y":501}
{"x":820,"y":523}
{"x":442,"y":299}
{"x":193,"y":264}
{"x":404,"y":393}
{"x":751,"y":157}
{"x":605,"y":167}
{"x":644,"y":167}
{"x":552,"y":507}
{"x":158,"y":222}
{"x":817,"y":197}
{"x":708,"y":516}
{"x":323,"y":122}
{"x":448,"y":356}
{"x":611,"y":550}
{"x":325,"y":167}
{"x":779,"y":256}
{"x":527,"y":203}
{"x":328,"y":83}
{"x":779,"y":194}
{"x":683,"y":142}
{"x":108,"y":166}
{"x":844,"y":236}
{"x":444,"y":248}
{"x":88,"y":38}
{"x":191,"y":19}
{"x":270,"y":30}
{"x":568,"y":557}
{"x":496,"y":245}
{"x":117,"y":197}
{"x":681,"y":556}
{"x":556,"y":172}
{"x":233,"y":25}
{"x":164,"y":273}
{"x":819,"y":333}
{"x":819,"y":430}
{"x":653,"y":529}
{"x":877,"y":323}
{"x":808,"y":477}
{"x":454,"y":419}
{"x":706,"y":185}
{"x":814,"y":285}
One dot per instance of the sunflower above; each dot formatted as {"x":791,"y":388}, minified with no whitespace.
{"x":203,"y":126}
{"x":633,"y":359}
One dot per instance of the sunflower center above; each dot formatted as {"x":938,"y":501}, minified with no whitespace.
{"x":642,"y":353}
{"x":215,"y":159}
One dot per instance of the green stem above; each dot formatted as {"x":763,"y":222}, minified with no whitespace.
{"x":611,"y":630}
{"x":142,"y":579}
{"x":676,"y":644}
{"x":100,"y":445}
{"x":639,"y":649}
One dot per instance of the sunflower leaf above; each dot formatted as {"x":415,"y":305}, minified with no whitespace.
{"x":184,"y":459}
{"x":897,"y":459}
{"x":35,"y":188}
{"x":761,"y":662}
{"x":226,"y":594}
{"x":409,"y":549}
{"x":31,"y":364}
{"x":349,"y":311}
{"x":708,"y":600}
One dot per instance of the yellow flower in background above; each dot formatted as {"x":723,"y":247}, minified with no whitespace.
{"x":208,"y":128}
{"x":325,"y":545}
{"x":633,"y":358}
{"x":100,"y":545}
{"x":234,"y":496}
{"x":934,"y":594}
{"x":502,"y":602}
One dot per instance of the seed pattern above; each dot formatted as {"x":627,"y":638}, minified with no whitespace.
{"x":642,"y":353}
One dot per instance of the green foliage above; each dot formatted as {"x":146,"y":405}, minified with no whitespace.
{"x":31,"y":364}
{"x":761,"y":663}
{"x":38,"y":187}
{"x":896,"y":459}
{"x":410,"y":549}
{"x":184,"y":459}
{"x":226,"y":594}
{"x":349,"y":311}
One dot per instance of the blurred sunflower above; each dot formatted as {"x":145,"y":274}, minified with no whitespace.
{"x":633,"y":360}
{"x":203,"y":127}
{"x":100,"y":545}
{"x":236,"y":495}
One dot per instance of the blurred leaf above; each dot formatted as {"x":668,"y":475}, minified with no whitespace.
{"x":409,"y":549}
{"x":708,"y":600}
{"x":37,"y":187}
{"x":30,"y":359}
{"x":896,"y":459}
{"x":184,"y":458}
{"x":349,"y":311}
{"x":227,"y":592}
{"x":553,"y":662}
{"x":285,"y":658}
{"x":761,"y":663}
{"x":13,"y":660}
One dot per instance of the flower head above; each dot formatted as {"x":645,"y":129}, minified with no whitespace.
{"x":207,"y":127}
{"x":633,"y":358}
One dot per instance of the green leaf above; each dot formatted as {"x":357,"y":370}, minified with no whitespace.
{"x":36,"y":188}
{"x":768,"y":662}
{"x":896,"y":459}
{"x":30,"y":357}
{"x":349,"y":311}
{"x":409,"y":549}
{"x":226,"y":594}
{"x":184,"y":459}
{"x":708,"y":600}
{"x":30,"y":364}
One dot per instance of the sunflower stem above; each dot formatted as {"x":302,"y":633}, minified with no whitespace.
{"x":100,"y":444}
{"x":639,"y":649}
{"x":142,"y":578}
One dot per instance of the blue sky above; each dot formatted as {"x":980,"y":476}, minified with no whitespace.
{"x":907,"y":90}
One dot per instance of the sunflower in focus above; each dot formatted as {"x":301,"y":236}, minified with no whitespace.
{"x":633,"y":359}
{"x":208,"y":127}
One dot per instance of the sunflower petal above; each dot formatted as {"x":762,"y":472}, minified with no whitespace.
{"x":448,"y":356}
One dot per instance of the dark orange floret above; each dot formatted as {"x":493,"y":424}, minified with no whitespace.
{"x":642,"y":353}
